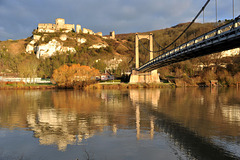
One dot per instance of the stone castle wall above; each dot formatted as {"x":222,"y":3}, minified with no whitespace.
{"x":46,"y":27}
{"x":70,"y":27}
{"x":59,"y":25}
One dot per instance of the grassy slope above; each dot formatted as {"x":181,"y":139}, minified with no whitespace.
{"x":14,"y":47}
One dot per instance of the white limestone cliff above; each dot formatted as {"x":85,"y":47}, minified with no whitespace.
{"x":99,"y":45}
{"x":53,"y":46}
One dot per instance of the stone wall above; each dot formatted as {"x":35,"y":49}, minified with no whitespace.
{"x":98,"y":34}
{"x":60,"y":25}
{"x":46,"y":27}
{"x":88,"y":31}
{"x":68,"y":27}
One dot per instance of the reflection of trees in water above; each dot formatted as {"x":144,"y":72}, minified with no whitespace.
{"x":77,"y":115}
{"x":15,"y":104}
{"x":68,"y":117}
{"x":212,"y":112}
{"x":65,"y":117}
{"x":76,"y":101}
{"x":194,"y":146}
{"x":190,"y":116}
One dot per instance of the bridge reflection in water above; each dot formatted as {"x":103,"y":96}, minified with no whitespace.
{"x":201,"y":122}
{"x":181,"y":116}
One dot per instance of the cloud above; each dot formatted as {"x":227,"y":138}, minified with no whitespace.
{"x":20,"y":17}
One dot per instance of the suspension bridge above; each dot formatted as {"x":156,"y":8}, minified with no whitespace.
{"x":220,"y":39}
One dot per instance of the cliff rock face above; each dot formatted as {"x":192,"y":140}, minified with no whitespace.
{"x":99,"y":45}
{"x":47,"y":50}
{"x":232,"y":52}
{"x":30,"y":46}
{"x":53,"y":46}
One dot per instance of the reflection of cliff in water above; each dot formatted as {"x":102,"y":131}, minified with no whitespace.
{"x":67,"y":117}
{"x":71,"y":119}
{"x":77,"y":115}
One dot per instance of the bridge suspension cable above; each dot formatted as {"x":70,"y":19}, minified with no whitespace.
{"x":203,"y":17}
{"x":205,"y":5}
{"x":233,"y":8}
{"x":216,"y":11}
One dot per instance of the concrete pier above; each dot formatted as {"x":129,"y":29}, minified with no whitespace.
{"x":147,"y":77}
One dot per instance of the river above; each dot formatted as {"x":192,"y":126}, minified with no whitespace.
{"x":168,"y":124}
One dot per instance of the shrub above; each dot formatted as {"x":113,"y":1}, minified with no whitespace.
{"x":75,"y":75}
{"x":207,"y":76}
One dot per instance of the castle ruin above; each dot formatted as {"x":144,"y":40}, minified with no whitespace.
{"x":61,"y":26}
{"x":58,"y":26}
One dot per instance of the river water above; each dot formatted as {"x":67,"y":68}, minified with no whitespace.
{"x":190,"y":123}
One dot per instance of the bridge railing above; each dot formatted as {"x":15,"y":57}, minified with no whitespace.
{"x":220,"y":30}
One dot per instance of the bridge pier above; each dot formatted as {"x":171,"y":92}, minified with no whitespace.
{"x":147,"y":77}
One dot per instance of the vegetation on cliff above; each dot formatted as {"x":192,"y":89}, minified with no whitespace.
{"x":198,"y":71}
{"x":226,"y":70}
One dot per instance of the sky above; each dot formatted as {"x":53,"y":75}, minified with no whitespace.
{"x":18,"y":18}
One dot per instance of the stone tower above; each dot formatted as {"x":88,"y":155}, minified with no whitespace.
{"x":60,"y":22}
{"x":78,"y":28}
{"x":112,"y":35}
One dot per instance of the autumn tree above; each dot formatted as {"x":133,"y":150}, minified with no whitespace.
{"x":28,"y":67}
{"x":74,"y":76}
{"x":100,"y":65}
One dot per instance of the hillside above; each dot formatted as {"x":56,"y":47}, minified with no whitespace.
{"x":14,"y":47}
{"x":115,"y":55}
{"x":165,"y":36}
{"x":222,"y":66}
{"x":122,"y":46}
{"x":55,"y":49}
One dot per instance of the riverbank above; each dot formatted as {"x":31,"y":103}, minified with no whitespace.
{"x":129,"y":85}
{"x":101,"y":86}
{"x":92,"y":86}
{"x":17,"y":85}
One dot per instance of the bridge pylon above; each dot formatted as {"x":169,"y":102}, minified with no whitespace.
{"x":147,"y":77}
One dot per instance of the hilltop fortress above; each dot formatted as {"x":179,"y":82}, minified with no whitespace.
{"x":61,"y":26}
{"x":58,"y":26}
{"x":45,"y":45}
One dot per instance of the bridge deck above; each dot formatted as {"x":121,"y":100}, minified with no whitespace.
{"x":223,"y":38}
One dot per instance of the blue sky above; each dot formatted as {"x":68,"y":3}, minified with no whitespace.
{"x":18,"y":18}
